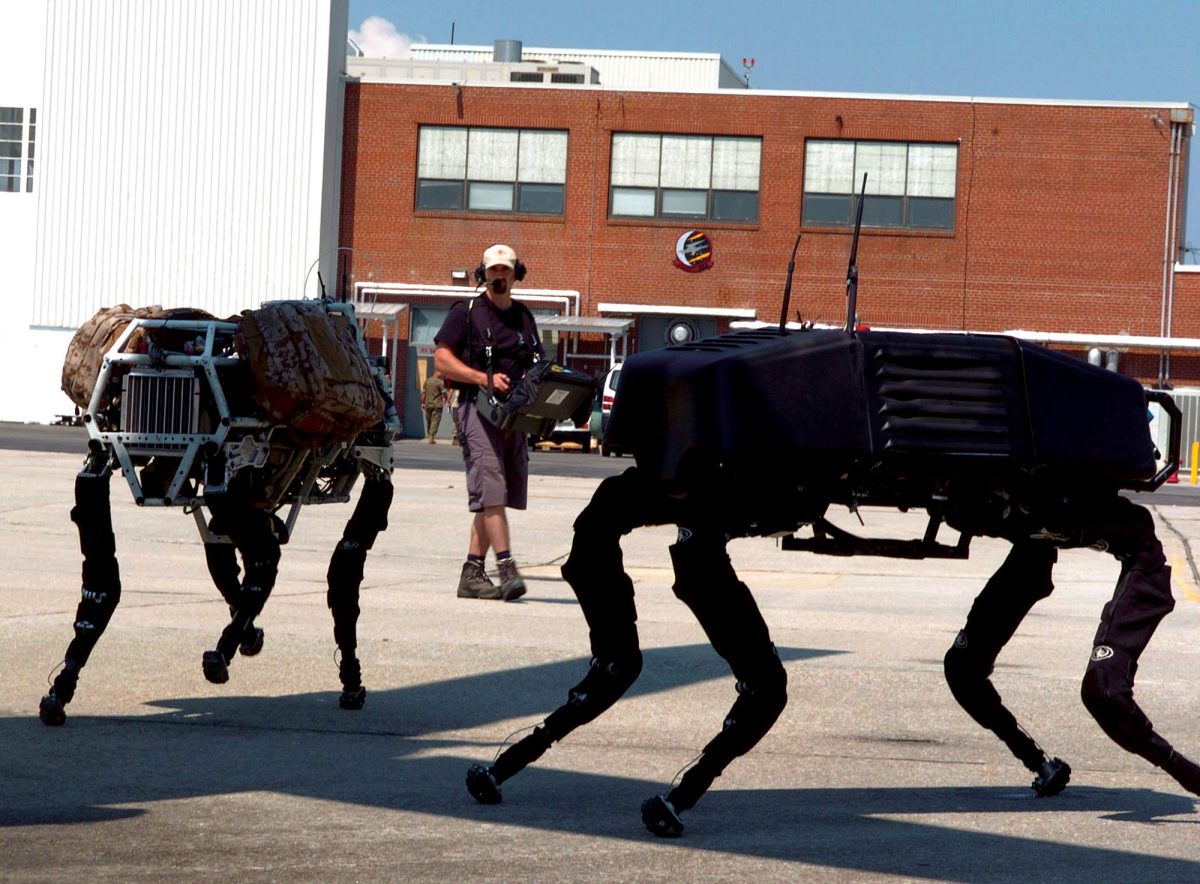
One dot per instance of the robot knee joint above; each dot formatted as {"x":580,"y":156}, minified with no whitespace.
{"x":768,"y":689}
{"x":346,"y":566}
{"x":1107,"y":694}
{"x":575,"y":569}
{"x":89,"y":624}
{"x":609,"y":509}
{"x":762,"y":694}
{"x":594,"y":562}
{"x":262,"y":568}
{"x":607,"y":680}
{"x":701,"y":565}
{"x":754,"y":712}
{"x":370,"y":515}
{"x":761,"y":704}
{"x":96,"y":608}
{"x":604,"y":684}
{"x":962,"y":666}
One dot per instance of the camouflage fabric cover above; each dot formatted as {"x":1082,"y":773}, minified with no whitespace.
{"x":309,"y":371}
{"x":85,"y":353}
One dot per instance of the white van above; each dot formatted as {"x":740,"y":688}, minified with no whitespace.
{"x":607,"y":397}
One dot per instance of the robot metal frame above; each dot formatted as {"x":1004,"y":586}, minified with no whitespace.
{"x":173,"y":411}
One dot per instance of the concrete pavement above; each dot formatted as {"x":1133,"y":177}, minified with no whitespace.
{"x":872,"y":772}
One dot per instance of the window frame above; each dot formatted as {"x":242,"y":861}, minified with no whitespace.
{"x":464,"y":185}
{"x":906,"y":203}
{"x":661,"y":193}
{"x":16,"y":151}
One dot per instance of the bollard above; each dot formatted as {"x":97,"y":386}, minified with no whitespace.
{"x":1195,"y":457}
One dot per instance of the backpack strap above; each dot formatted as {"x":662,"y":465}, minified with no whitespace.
{"x":487,"y":333}
{"x":540,"y":350}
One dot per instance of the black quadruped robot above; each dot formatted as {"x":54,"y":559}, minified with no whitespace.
{"x":174,"y":411}
{"x":988,"y":434}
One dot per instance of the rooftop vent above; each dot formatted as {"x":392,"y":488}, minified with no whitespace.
{"x":506,"y":50}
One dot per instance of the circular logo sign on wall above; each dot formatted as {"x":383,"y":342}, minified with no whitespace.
{"x":693,"y":252}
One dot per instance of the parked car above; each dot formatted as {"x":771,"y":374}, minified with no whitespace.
{"x":585,"y":436}
{"x":566,"y":431}
{"x":604,"y":406}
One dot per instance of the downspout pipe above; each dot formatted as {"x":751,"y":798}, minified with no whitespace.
{"x":1178,"y":133}
{"x":1168,"y":276}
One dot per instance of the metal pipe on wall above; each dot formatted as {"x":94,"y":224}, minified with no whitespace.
{"x":1168,"y":274}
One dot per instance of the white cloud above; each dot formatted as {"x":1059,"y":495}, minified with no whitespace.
{"x":378,"y":38}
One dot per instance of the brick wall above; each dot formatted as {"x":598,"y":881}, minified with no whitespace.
{"x":1060,"y":209}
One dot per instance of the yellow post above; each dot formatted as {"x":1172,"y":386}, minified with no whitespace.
{"x":1195,"y":457}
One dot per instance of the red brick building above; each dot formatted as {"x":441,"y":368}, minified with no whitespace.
{"x":981,"y":215}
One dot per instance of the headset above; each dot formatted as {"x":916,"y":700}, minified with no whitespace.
{"x":481,"y":272}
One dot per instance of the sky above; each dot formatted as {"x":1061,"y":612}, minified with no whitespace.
{"x":1114,"y":50}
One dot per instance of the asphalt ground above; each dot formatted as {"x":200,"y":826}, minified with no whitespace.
{"x":872,"y":772}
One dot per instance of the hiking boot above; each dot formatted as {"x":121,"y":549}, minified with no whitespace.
{"x":475,"y":584}
{"x":512,"y":584}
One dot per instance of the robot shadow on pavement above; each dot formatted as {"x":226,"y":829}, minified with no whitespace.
{"x":301,"y":746}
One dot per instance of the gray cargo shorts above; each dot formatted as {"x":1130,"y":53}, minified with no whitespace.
{"x":497,"y":462}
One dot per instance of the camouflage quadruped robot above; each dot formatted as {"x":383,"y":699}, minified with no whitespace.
{"x":758,"y":433}
{"x":245,"y":420}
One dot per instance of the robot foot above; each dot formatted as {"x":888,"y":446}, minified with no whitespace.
{"x":252,"y":642}
{"x":216,"y":669}
{"x":482,"y":785}
{"x":1052,"y":778}
{"x":353,"y":693}
{"x":660,"y":817}
{"x":353,"y":699}
{"x":1185,"y":772}
{"x":51,"y":711}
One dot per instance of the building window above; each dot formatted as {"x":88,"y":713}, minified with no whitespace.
{"x":29,"y":151}
{"x":685,"y":177}
{"x":12,"y":142}
{"x":909,"y":185}
{"x":491,"y":170}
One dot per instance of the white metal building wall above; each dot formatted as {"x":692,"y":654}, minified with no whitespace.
{"x":189,"y":154}
{"x":662,"y":71}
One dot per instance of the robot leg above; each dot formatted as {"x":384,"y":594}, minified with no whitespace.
{"x":226,"y":576}
{"x":595,"y":572}
{"x":1141,"y":599}
{"x":705,"y":581}
{"x":345,"y":576}
{"x":256,"y":534}
{"x":595,"y":567}
{"x":101,"y":590}
{"x":1006,"y":599}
